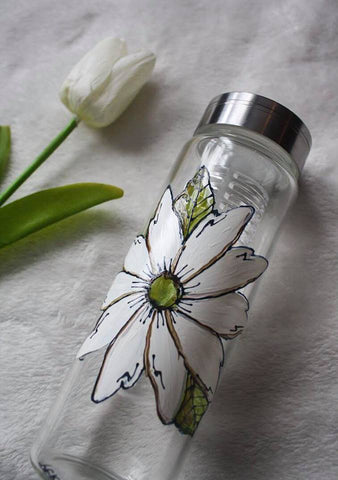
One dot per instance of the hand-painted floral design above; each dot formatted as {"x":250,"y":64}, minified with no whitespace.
{"x":175,"y":301}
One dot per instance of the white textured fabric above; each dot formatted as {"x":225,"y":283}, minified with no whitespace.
{"x":275,"y":416}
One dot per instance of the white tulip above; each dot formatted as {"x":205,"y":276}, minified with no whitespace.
{"x":105,"y":81}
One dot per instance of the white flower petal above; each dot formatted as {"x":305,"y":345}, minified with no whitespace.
{"x":110,"y":324}
{"x":137,"y":260}
{"x":128,"y":76}
{"x":226,"y":315}
{"x":124,"y":284}
{"x":91,"y":74}
{"x":211,"y":239}
{"x":165,"y":368}
{"x":123,"y":362}
{"x":164,"y":236}
{"x":202,"y":350}
{"x":102,"y":85}
{"x":238,"y":267}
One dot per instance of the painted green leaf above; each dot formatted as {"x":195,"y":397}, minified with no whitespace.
{"x":5,"y":147}
{"x":193,"y":407}
{"x":29,"y":214}
{"x":195,"y":202}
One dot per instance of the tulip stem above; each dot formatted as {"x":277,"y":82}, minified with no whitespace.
{"x":39,"y":160}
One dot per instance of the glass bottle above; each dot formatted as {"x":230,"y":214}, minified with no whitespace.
{"x":145,"y":376}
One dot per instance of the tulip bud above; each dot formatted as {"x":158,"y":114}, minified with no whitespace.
{"x":105,"y":81}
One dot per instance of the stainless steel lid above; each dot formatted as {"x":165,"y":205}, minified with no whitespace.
{"x":264,"y":116}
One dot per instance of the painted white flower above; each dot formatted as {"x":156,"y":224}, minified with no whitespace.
{"x":105,"y":81}
{"x":175,"y":300}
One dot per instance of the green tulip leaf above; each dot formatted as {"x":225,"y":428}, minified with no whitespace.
{"x":34,"y":212}
{"x":5,"y":147}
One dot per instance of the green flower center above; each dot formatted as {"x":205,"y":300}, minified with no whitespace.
{"x":164,"y":292}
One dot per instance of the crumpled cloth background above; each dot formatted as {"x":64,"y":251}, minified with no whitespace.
{"x":275,"y":416}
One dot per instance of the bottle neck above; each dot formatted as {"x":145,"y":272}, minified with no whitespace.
{"x":255,"y":141}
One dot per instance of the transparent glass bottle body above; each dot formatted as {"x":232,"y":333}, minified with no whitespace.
{"x":122,"y":437}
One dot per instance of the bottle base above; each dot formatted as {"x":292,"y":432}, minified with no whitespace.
{"x":58,"y":466}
